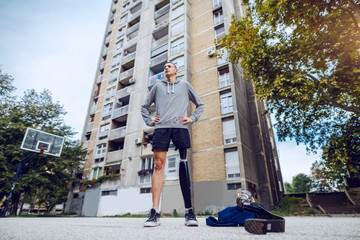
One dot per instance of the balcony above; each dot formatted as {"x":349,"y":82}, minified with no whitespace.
{"x":114,"y":156}
{"x":128,"y":58}
{"x":89,"y":127}
{"x":92,"y":110}
{"x":133,"y":29}
{"x":121,"y":33}
{"x":106,"y":115}
{"x":111,"y":20}
{"x":158,"y":77}
{"x":103,"y":134}
{"x":125,"y":1}
{"x":160,"y":42}
{"x":130,"y":43}
{"x":217,"y":3}
{"x":148,"y":129}
{"x":159,"y":59}
{"x":127,"y":74}
{"x":99,"y":79}
{"x":161,"y":25}
{"x":123,"y":92}
{"x":220,"y":35}
{"x":85,"y":144}
{"x":107,"y":40}
{"x":134,"y":3}
{"x":117,"y":133}
{"x":162,"y":11}
{"x":96,"y":94}
{"x":223,"y":59}
{"x":104,"y":52}
{"x":134,"y":16}
{"x":109,"y":28}
{"x":159,"y":50}
{"x":120,"y":112}
{"x":102,"y":65}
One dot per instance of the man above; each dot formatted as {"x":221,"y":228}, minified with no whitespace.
{"x":171,"y":98}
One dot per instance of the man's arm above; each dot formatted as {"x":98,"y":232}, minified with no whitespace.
{"x":198,"y":103}
{"x":145,"y":107}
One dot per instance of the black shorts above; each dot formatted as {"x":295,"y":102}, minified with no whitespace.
{"x":162,"y":136}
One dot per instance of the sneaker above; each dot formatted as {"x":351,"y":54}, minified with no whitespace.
{"x":190,"y":219}
{"x":153,"y":220}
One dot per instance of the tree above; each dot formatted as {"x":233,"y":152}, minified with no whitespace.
{"x":301,"y":183}
{"x":45,"y":177}
{"x":303,"y":57}
{"x":321,"y":182}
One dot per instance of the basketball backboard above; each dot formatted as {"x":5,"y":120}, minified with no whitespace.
{"x":36,"y":140}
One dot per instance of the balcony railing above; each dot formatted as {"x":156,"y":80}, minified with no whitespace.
{"x":134,"y":3}
{"x":125,"y":1}
{"x":103,"y":134}
{"x":158,"y":59}
{"x":104,"y":52}
{"x":109,"y":28}
{"x":117,"y":133}
{"x":112,"y":18}
{"x":102,"y":65}
{"x":107,"y":39}
{"x":135,"y":15}
{"x":119,"y":112}
{"x":89,"y":126}
{"x":126,"y":74}
{"x":157,"y":77}
{"x":121,"y":33}
{"x":99,"y":79}
{"x":85,"y":144}
{"x":128,"y":58}
{"x":114,"y":156}
{"x":92,"y":110}
{"x":161,"y":25}
{"x":161,"y":11}
{"x":133,"y":29}
{"x":160,"y":41}
{"x":130,"y":42}
{"x":123,"y":92}
{"x":159,"y":50}
{"x":220,"y":35}
{"x":106,"y":114}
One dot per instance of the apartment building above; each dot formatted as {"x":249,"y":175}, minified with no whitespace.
{"x":233,"y":142}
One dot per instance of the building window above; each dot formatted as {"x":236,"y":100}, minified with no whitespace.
{"x":177,"y":12}
{"x":95,"y":173}
{"x":223,"y":58}
{"x":105,"y":128}
{"x":177,"y":46}
{"x":219,"y":32}
{"x":116,"y":60}
{"x":226,"y":103}
{"x":217,"y":3}
{"x":119,"y":45}
{"x":218,"y":17}
{"x":76,"y":195}
{"x":232,"y":165}
{"x":107,"y":108}
{"x":109,"y":193}
{"x":175,"y":1}
{"x":233,"y":186}
{"x":177,"y":28}
{"x":224,"y":78}
{"x":145,"y":190}
{"x":114,"y":74}
{"x":110,"y":93}
{"x":229,"y":132}
{"x":101,"y":149}
{"x":179,"y":63}
{"x":97,"y":160}
{"x":146,"y":169}
{"x":123,"y":20}
{"x":172,"y":167}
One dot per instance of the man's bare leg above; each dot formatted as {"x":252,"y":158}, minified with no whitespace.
{"x":157,"y":180}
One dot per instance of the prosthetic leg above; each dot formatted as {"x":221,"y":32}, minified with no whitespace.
{"x":184,"y":176}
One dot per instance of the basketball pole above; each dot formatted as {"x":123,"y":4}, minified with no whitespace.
{"x":21,"y":164}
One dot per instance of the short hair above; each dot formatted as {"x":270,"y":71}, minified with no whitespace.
{"x":170,"y":63}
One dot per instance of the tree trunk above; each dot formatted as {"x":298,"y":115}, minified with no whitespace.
{"x":14,"y":204}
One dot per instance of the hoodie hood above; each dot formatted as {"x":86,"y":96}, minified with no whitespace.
{"x":170,"y":85}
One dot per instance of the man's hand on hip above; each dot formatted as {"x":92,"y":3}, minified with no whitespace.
{"x":185,"y":120}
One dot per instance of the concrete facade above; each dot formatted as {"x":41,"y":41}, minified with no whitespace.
{"x":232,"y":143}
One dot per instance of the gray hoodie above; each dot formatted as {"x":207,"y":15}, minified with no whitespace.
{"x":171,"y":101}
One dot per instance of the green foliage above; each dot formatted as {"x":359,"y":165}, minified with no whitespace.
{"x":175,"y":214}
{"x":302,"y":56}
{"x":101,"y":179}
{"x":44,"y":178}
{"x":301,"y":183}
{"x":321,"y":181}
{"x":293,"y":206}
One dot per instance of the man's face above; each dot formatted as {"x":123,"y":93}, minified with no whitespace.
{"x":170,"y":69}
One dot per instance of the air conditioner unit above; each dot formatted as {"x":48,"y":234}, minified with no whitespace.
{"x":138,"y":141}
{"x":211,"y":52}
{"x":132,"y":80}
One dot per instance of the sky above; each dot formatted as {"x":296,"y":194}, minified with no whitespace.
{"x":56,"y":45}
